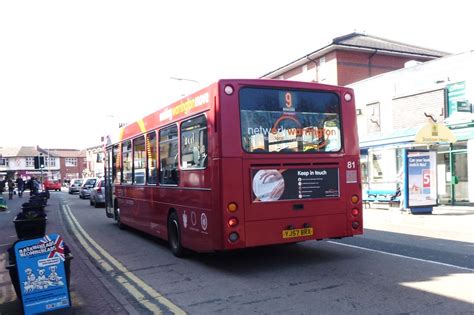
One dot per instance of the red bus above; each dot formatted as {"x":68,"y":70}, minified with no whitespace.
{"x":238,"y":164}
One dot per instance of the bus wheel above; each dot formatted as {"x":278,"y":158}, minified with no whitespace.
{"x":117,"y":218}
{"x":174,"y":235}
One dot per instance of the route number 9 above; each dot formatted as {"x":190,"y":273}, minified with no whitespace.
{"x":288,"y":100}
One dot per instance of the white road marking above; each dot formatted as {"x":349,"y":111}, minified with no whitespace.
{"x":402,"y":256}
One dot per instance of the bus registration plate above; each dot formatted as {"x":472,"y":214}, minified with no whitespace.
{"x":297,"y":232}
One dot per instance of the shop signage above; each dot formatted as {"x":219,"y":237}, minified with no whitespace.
{"x":434,"y":133}
{"x":457,"y":101}
{"x":42,"y":274}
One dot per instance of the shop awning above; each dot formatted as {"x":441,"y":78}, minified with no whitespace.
{"x":405,"y":136}
{"x":463,"y":133}
{"x":396,"y":137}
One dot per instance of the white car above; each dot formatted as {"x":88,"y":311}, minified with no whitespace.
{"x":87,"y":186}
{"x":75,"y":185}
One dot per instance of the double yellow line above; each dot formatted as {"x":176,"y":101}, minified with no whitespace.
{"x":125,"y":278}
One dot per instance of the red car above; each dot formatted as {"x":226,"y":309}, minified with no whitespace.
{"x":52,"y":185}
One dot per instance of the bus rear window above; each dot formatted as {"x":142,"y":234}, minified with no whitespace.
{"x":274,"y":120}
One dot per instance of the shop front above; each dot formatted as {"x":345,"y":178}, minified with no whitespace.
{"x":382,"y":163}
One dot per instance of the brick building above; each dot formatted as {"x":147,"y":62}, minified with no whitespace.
{"x":72,"y":162}
{"x":60,"y":164}
{"x":351,"y":58}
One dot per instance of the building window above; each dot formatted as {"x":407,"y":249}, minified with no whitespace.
{"x":30,"y":161}
{"x":3,"y":162}
{"x":194,"y":143}
{"x":322,"y":69}
{"x":377,"y":171}
{"x":169,"y":156}
{"x":50,"y":162}
{"x":71,"y":162}
{"x":373,"y":117}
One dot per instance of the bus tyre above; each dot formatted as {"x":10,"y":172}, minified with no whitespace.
{"x":174,"y":235}
{"x":117,"y":218}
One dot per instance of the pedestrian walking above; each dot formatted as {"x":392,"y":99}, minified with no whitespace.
{"x":11,"y":188}
{"x":20,"y":185}
{"x":36,"y":186}
{"x":2,"y":185}
{"x":33,"y":185}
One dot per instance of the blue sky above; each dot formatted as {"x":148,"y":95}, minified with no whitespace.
{"x":72,"y":70}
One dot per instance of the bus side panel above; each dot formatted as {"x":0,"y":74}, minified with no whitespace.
{"x":127,"y":206}
{"x":232,"y":192}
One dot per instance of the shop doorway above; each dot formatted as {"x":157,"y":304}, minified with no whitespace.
{"x":452,"y":174}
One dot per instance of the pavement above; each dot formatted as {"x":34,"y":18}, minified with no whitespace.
{"x":455,"y":223}
{"x":446,"y":222}
{"x":89,"y":293}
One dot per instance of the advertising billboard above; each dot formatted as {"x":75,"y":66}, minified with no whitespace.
{"x":42,"y":274}
{"x":422,"y":187}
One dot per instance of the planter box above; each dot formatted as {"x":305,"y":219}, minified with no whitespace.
{"x":31,"y":206}
{"x":30,"y":228}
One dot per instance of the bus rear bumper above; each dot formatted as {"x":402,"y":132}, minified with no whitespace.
{"x":272,"y":231}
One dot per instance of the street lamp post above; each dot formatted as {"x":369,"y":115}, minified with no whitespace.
{"x":185,"y":79}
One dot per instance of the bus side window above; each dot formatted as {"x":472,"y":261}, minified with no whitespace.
{"x":152,"y":156}
{"x":168,"y":156}
{"x":127,"y":160}
{"x":194,"y":143}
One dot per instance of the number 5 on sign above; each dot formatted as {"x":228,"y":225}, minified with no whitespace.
{"x":426,"y":179}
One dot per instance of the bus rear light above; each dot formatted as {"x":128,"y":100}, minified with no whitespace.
{"x":355,"y":212}
{"x":232,"y":207}
{"x":228,"y":89}
{"x":355,"y":225}
{"x":354,"y":199}
{"x":233,"y":222}
{"x":234,"y":237}
{"x":347,"y":97}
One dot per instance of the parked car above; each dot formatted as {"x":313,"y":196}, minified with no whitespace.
{"x":97,"y":197}
{"x":52,"y":185}
{"x":75,"y":185}
{"x":88,"y":184}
